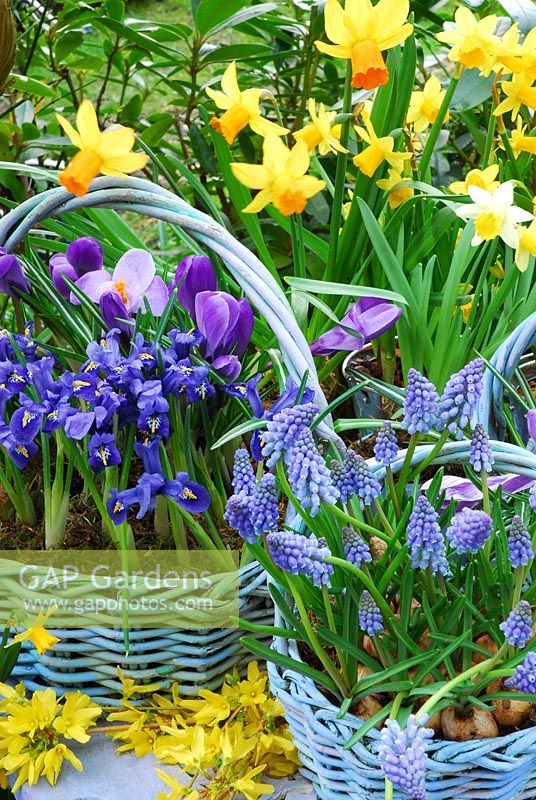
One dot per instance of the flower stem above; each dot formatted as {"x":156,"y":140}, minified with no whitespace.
{"x":438,"y":124}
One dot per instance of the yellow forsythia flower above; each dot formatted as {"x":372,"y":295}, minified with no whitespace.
{"x":281,"y":178}
{"x":37,"y":634}
{"x":521,"y":143}
{"x":101,"y":152}
{"x":424,"y":105}
{"x":526,"y":246}
{"x":474,"y":41}
{"x":483,"y":178}
{"x":361,"y":32}
{"x":494,"y":214}
{"x":519,"y":92}
{"x":379,"y":149}
{"x":397,"y":194}
{"x":321,"y":132}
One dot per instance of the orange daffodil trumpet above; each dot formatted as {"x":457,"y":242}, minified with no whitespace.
{"x":241,"y":109}
{"x":361,"y":31}
{"x":281,"y":178}
{"x":106,"y":152}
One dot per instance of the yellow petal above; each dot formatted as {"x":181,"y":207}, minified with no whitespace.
{"x":393,"y":13}
{"x":229,"y":83}
{"x":265,"y":128}
{"x":395,"y":37}
{"x":336,"y":50}
{"x":219,"y":98}
{"x":116,"y":141}
{"x":336,"y":30}
{"x":309,"y":185}
{"x":275,"y":155}
{"x":254,"y":176}
{"x":73,"y":135}
{"x":88,"y":126}
{"x":259,"y":202}
{"x":299,"y":160}
{"x":129,"y":162}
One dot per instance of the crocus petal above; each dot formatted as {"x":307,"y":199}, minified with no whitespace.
{"x":239,"y":336}
{"x":136,"y":270}
{"x":375,"y":319}
{"x":335,"y":340}
{"x":93,"y":284}
{"x":228,"y":366}
{"x":194,"y":274}
{"x":114,"y":311}
{"x":85,"y":255}
{"x":215,"y":314}
{"x":157,"y":296}
{"x":531,"y":423}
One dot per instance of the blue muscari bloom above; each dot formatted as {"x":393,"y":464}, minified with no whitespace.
{"x":300,"y":555}
{"x":426,"y":543}
{"x":264,"y":507}
{"x":481,"y":455}
{"x":517,"y":627}
{"x":532,"y":497}
{"x":386,"y":445}
{"x":243,"y":475}
{"x":420,"y":404}
{"x":402,"y":754}
{"x":308,"y":474}
{"x":356,"y":550}
{"x":153,"y":418}
{"x":469,"y":530}
{"x":520,"y":550}
{"x":460,"y":397}
{"x":524,"y":678}
{"x":102,"y":452}
{"x":238,"y":515}
{"x":283,"y":430}
{"x":370,"y":617}
{"x":368,"y":488}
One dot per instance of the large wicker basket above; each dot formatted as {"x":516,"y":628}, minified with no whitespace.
{"x":87,"y":659}
{"x":503,"y":768}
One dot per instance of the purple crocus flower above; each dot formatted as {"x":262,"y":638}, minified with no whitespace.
{"x":12,"y":278}
{"x":369,"y":317}
{"x":194,"y":274}
{"x":531,"y":423}
{"x":83,"y":255}
{"x":226,"y":323}
{"x":133,"y":281}
{"x":467,"y":495}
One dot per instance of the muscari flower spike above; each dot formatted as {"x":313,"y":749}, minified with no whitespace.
{"x":520,"y":550}
{"x":357,"y":479}
{"x":308,"y":474}
{"x":420,"y":404}
{"x":300,"y":555}
{"x":386,"y":445}
{"x":517,"y":627}
{"x":238,"y":515}
{"x":469,"y":530}
{"x":370,"y":617}
{"x":524,"y":678}
{"x":283,"y":429}
{"x":264,"y":508}
{"x":356,"y":550}
{"x":460,"y":397}
{"x":481,"y":455}
{"x":402,"y":754}
{"x":426,"y":543}
{"x":243,"y":475}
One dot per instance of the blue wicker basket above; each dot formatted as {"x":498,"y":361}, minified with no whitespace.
{"x":503,"y":768}
{"x":508,"y":357}
{"x":87,"y":659}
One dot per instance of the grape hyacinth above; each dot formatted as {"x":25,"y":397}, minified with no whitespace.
{"x":356,"y":550}
{"x":243,"y":475}
{"x":308,"y":474}
{"x":517,"y":628}
{"x":263,"y":508}
{"x":524,"y":678}
{"x":238,"y":515}
{"x":370,"y":617}
{"x":353,"y":477}
{"x":300,"y":555}
{"x":460,"y":397}
{"x":481,"y":455}
{"x":426,"y":543}
{"x":283,"y":429}
{"x":402,"y":754}
{"x":520,"y":550}
{"x":469,"y":530}
{"x":386,"y":445}
{"x":420,"y":404}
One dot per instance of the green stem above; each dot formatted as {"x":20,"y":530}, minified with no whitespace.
{"x":380,"y":601}
{"x":385,"y":522}
{"x":298,"y":251}
{"x":392,"y":490}
{"x":333,"y":628}
{"x":489,"y":140}
{"x":362,"y":526}
{"x":438,"y":124}
{"x":434,"y":452}
{"x":403,"y":476}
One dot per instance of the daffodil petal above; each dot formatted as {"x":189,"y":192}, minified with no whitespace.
{"x":336,"y":50}
{"x":264,"y":127}
{"x":127,"y":163}
{"x":260,"y":200}
{"x":73,"y":135}
{"x":88,"y":125}
{"x":254,"y":176}
{"x":299,"y":160}
{"x":229,"y":83}
{"x":116,"y":141}
{"x":219,"y":98}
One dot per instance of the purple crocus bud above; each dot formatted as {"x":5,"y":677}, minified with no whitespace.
{"x":187,"y":493}
{"x":194,"y":274}
{"x":238,"y":515}
{"x":283,"y":429}
{"x":300,"y":555}
{"x":420,"y":404}
{"x":517,"y":627}
{"x":469,"y":530}
{"x":370,"y":617}
{"x":481,"y":456}
{"x":264,"y":507}
{"x":402,"y":755}
{"x":386,"y":445}
{"x":460,"y":397}
{"x":229,"y":367}
{"x":524,"y":678}
{"x":308,"y":474}
{"x":356,"y":550}
{"x":83,"y":255}
{"x":225,"y":323}
{"x":532,"y":497}
{"x":425,"y":540}
{"x":12,"y":278}
{"x":531,"y":423}
{"x":115,"y":313}
{"x":520,"y":550}
{"x":369,"y":318}
{"x":243,"y":475}
{"x":102,"y":452}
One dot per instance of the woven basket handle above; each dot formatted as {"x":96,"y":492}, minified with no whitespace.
{"x":149,"y":199}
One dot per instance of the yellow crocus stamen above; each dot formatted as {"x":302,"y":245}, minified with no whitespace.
{"x":119,"y":286}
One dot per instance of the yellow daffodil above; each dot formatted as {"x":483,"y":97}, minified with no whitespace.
{"x":518,"y":93}
{"x":241,"y":109}
{"x":519,"y":58}
{"x":494,"y":214}
{"x":483,"y":178}
{"x":347,"y":206}
{"x":281,"y":178}
{"x":361,"y":32}
{"x":466,"y":311}
{"x":506,"y":50}
{"x":101,"y":152}
{"x":397,"y":194}
{"x":37,"y":634}
{"x":526,"y":246}
{"x":424,"y":105}
{"x":474,"y":41}
{"x":379,"y":149}
{"x":321,"y":132}
{"x":520,"y":142}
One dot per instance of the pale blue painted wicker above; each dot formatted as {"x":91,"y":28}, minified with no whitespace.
{"x":87,"y":659}
{"x":503,"y":768}
{"x":506,"y":359}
